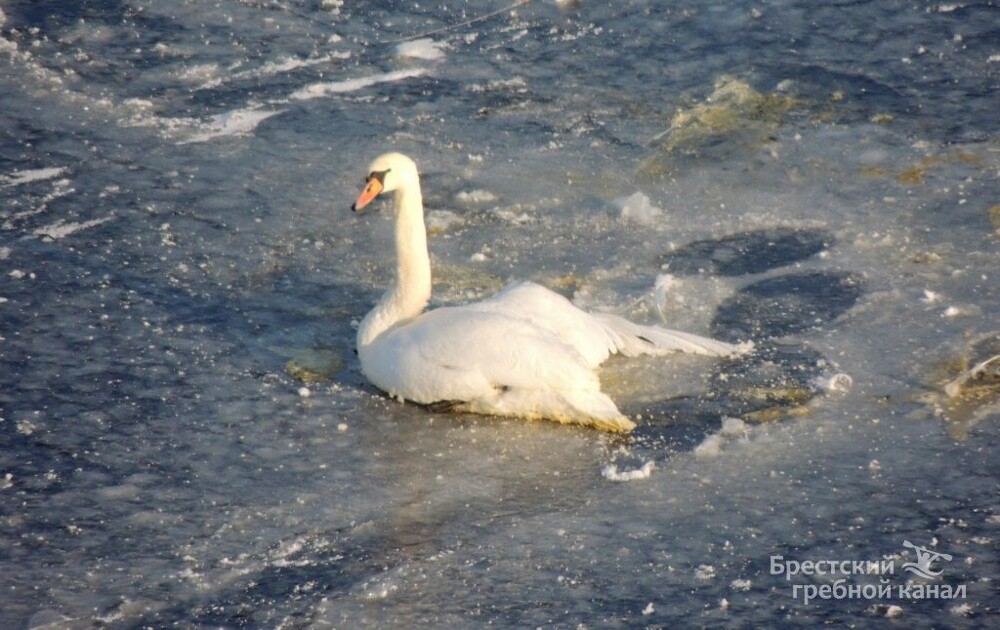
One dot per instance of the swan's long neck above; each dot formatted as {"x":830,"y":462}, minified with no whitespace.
{"x":411,"y":288}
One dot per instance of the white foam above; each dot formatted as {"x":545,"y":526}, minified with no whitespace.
{"x":328,"y":88}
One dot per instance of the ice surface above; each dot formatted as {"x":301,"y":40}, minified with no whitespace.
{"x":186,"y":439}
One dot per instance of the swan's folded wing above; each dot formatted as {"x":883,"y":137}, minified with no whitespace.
{"x":557,"y":316}
{"x":461,"y":350}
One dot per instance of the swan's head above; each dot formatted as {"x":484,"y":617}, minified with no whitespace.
{"x":389,"y":172}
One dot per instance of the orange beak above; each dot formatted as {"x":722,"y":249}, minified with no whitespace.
{"x":372,"y":190}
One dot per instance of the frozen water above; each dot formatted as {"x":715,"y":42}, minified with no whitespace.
{"x":186,"y":439}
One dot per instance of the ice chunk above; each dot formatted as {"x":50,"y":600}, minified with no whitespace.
{"x":475,"y":197}
{"x":611,"y":472}
{"x":710,"y":447}
{"x":665,"y":290}
{"x":235,"y":123}
{"x":327,"y":88}
{"x":704,"y":572}
{"x":425,"y":48}
{"x":31,"y":175}
{"x":442,"y":220}
{"x":962,"y":610}
{"x":61,"y":228}
{"x":838,"y":383}
{"x":638,"y":208}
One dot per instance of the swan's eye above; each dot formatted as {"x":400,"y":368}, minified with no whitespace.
{"x":379,"y":176}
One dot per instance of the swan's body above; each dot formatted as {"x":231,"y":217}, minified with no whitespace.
{"x":525,"y":352}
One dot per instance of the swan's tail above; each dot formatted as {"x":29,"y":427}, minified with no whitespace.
{"x":634,"y":339}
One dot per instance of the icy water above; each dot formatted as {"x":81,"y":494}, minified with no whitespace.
{"x":185,"y":436}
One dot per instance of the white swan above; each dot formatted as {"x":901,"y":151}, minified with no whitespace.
{"x":525,"y":352}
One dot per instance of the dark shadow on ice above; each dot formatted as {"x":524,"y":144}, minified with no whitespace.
{"x":755,"y":387}
{"x":747,"y":252}
{"x":776,"y":377}
{"x":787,"y":304}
